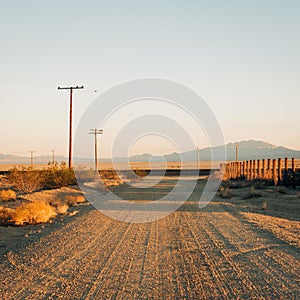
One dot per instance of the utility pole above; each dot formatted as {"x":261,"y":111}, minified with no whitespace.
{"x":96,"y":131}
{"x":197,"y":154}
{"x":236,"y":152}
{"x":31,"y":158}
{"x":71,"y":88}
{"x":52,"y":156}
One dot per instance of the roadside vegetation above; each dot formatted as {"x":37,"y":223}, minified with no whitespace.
{"x":29,"y":200}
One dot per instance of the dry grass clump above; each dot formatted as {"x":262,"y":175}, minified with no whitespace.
{"x":252,"y":194}
{"x":141,"y":173}
{"x":225,"y":193}
{"x":264,"y":205}
{"x":28,"y":213}
{"x":59,"y":206}
{"x":109,"y":174}
{"x":235,"y":184}
{"x":7,"y":195}
{"x":62,"y":208}
{"x":74,"y":200}
{"x":33,"y":213}
{"x":282,"y":190}
{"x":6,"y":215}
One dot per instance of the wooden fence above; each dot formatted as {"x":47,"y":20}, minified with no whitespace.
{"x":276,"y":170}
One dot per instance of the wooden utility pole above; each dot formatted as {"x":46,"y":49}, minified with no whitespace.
{"x":197,"y":154}
{"x":96,"y":131}
{"x":52,"y":156}
{"x":31,"y":158}
{"x":71,"y":88}
{"x":236,"y":152}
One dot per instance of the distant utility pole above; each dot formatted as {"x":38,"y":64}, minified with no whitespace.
{"x":96,"y":131}
{"x":52,"y":156}
{"x":197,"y":153}
{"x":31,"y":158}
{"x":71,"y":88}
{"x":236,"y":152}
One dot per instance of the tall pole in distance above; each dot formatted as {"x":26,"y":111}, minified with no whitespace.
{"x":236,"y":152}
{"x":197,"y":153}
{"x":31,"y":158}
{"x":96,"y":131}
{"x":71,"y":88}
{"x":52,"y":156}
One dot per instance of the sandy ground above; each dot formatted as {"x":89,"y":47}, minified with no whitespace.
{"x":233,"y":248}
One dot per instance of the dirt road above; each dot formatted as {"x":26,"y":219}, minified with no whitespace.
{"x":212,"y":253}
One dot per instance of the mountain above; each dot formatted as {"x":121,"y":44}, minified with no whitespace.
{"x":250,"y":149}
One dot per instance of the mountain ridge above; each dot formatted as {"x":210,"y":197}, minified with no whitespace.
{"x":247,"y":149}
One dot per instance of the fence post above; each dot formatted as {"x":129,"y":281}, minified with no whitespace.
{"x":279,"y":171}
{"x":250,"y":170}
{"x":258,"y":169}
{"x":264,"y":169}
{"x":286,"y":171}
{"x":254,"y":168}
{"x":233,"y":170}
{"x":293,"y":173}
{"x":274,"y":177}
{"x":269,"y":168}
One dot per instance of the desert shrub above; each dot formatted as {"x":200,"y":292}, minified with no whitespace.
{"x":6,"y":215}
{"x":281,"y":190}
{"x":26,"y":180}
{"x":226,"y":193}
{"x":264,"y":205}
{"x":33,"y":213}
{"x":74,"y":200}
{"x":235,"y":184}
{"x":252,"y":194}
{"x":7,"y":195}
{"x":141,"y":173}
{"x":109,"y":174}
{"x":57,"y":176}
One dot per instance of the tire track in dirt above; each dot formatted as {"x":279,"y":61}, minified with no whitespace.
{"x":252,"y":255}
{"x":41,"y":274}
{"x":211,"y":253}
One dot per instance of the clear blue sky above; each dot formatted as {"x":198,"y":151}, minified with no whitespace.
{"x":242,"y":57}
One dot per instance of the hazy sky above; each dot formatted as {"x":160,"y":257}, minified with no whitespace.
{"x":242,"y":57}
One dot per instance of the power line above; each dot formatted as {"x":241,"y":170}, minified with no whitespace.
{"x":71,"y":88}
